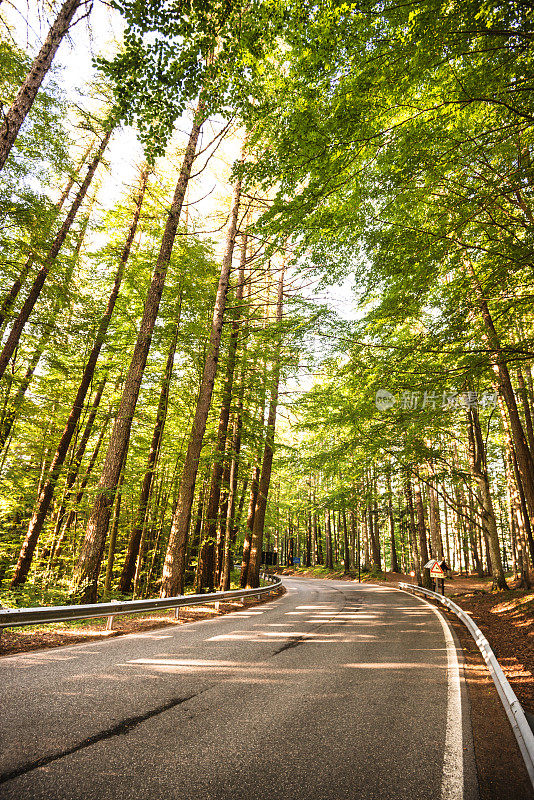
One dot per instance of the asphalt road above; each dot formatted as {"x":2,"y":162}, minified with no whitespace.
{"x":334,"y":691}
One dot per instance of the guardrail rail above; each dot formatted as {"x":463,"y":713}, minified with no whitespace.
{"x":516,"y":715}
{"x":16,"y":617}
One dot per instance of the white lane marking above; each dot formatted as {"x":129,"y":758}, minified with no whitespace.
{"x":452,"y":782}
{"x":452,"y":785}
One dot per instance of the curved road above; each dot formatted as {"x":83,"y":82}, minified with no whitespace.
{"x":334,"y":691}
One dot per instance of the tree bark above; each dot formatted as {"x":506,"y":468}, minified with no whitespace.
{"x":71,"y":516}
{"x":421,"y":533}
{"x":394,"y":560}
{"x":500,"y":368}
{"x":254,"y":488}
{"x":47,"y":491}
{"x":88,"y":566}
{"x":412,"y":532}
{"x":434,"y":522}
{"x":230,"y":513}
{"x":128,"y":571}
{"x":374,"y":535}
{"x":174,"y":567}
{"x":517,"y":524}
{"x":346,"y":552}
{"x":28,"y":305}
{"x":519,"y":482}
{"x":76,"y":460}
{"x":328,"y":534}
{"x":224,"y":416}
{"x":27,"y":93}
{"x":477,"y":461}
{"x":526,"y":410}
{"x":114,"y":531}
{"x":253,"y":572}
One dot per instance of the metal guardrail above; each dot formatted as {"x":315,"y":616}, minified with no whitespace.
{"x":15,"y":617}
{"x":516,"y":715}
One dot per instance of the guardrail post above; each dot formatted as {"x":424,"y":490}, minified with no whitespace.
{"x":217,"y":605}
{"x":13,"y":618}
{"x":109,"y":623}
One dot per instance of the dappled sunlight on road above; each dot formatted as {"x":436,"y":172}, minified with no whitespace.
{"x":332,"y":678}
{"x":264,"y":668}
{"x":261,"y":637}
{"x":210,"y":665}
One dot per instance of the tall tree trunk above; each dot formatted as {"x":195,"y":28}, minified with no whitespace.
{"x":114,"y":531}
{"x":224,"y":416}
{"x":239,"y":514}
{"x":194,"y":545}
{"x":253,"y":572}
{"x":421,"y":534}
{"x":464,"y":522}
{"x":47,"y":491}
{"x":519,"y":481}
{"x":319,"y":534}
{"x":9,"y":300}
{"x":317,"y":554}
{"x":374,"y":533}
{"x":76,"y":460}
{"x":500,"y":368}
{"x":128,"y":571}
{"x":434,"y":521}
{"x":254,"y":488}
{"x":477,"y":460}
{"x":88,"y":566}
{"x":309,"y":539}
{"x":517,"y":525}
{"x":365,"y":525}
{"x":394,"y":561}
{"x":27,"y":93}
{"x":33,"y":295}
{"x":412,"y":532}
{"x":346,"y":552}
{"x":526,"y":409}
{"x":230,"y":512}
{"x":71,"y":516}
{"x":524,"y":525}
{"x":328,"y":534}
{"x":174,"y":568}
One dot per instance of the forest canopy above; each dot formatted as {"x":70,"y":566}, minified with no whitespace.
{"x":266,"y":284}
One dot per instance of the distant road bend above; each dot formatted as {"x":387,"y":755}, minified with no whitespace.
{"x":335,"y":691}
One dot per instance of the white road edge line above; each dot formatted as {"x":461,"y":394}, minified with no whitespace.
{"x":452,"y":783}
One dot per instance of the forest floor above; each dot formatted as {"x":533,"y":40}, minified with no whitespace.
{"x":506,"y":618}
{"x":38,"y":637}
